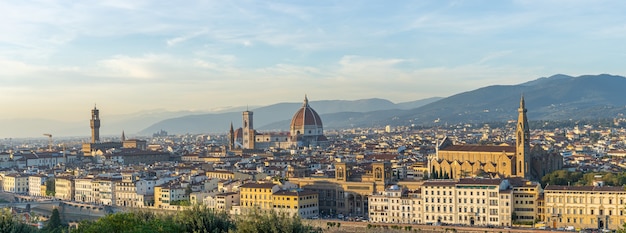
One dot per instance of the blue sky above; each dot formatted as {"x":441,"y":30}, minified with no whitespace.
{"x":61,"y":57}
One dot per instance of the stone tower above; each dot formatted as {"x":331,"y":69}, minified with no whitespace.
{"x":522,"y":145}
{"x":95,"y":125}
{"x":231,"y":137}
{"x":248,"y":130}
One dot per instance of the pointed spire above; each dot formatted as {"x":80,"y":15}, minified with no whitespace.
{"x":123,"y":136}
{"x":522,"y":104}
{"x":231,"y":127}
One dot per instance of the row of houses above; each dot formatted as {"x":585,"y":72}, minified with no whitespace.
{"x":501,"y":202}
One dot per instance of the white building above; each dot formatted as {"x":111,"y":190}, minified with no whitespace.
{"x":35,"y":184}
{"x":83,"y":190}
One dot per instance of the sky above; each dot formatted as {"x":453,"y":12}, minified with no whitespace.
{"x":59,"y":58}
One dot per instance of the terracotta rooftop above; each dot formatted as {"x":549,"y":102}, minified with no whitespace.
{"x":479,"y":148}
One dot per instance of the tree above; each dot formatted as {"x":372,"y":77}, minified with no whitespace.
{"x":203,"y":219}
{"x":272,"y":223}
{"x":50,"y":187}
{"x":10,"y":225}
{"x":54,"y":223}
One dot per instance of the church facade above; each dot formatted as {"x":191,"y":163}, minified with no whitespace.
{"x":305,"y":130}
{"x":457,"y":161}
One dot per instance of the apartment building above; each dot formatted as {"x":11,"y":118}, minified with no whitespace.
{"x":296,"y":202}
{"x":104,"y":190}
{"x":395,"y":205}
{"x":485,"y":202}
{"x":64,"y":188}
{"x":585,"y":206}
{"x":170,"y":195}
{"x":526,"y":202}
{"x":257,"y":196}
{"x":37,"y":185}
{"x":83,"y":190}
{"x":15,"y":183}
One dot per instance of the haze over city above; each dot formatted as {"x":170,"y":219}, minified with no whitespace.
{"x":58,"y":59}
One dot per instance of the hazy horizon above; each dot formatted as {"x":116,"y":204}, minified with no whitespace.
{"x":59,"y":58}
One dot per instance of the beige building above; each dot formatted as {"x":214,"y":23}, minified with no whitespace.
{"x":126,"y":193}
{"x":15,"y":183}
{"x":395,"y":205}
{"x":104,"y":190}
{"x":228,"y":175}
{"x":216,"y":201}
{"x":484,"y":202}
{"x":64,"y":188}
{"x":585,"y":207}
{"x":347,"y":192}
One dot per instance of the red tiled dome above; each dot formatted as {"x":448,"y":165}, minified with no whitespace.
{"x":305,"y":116}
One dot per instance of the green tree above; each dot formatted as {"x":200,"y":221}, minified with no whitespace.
{"x":54,"y":223}
{"x":9,"y":224}
{"x":203,"y":219}
{"x":130,"y":222}
{"x":50,"y":187}
{"x":272,"y":223}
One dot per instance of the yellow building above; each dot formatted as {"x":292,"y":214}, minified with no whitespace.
{"x":64,"y":188}
{"x":257,"y":197}
{"x":585,"y":207}
{"x":526,"y":202}
{"x":296,"y":203}
{"x":169,"y":195}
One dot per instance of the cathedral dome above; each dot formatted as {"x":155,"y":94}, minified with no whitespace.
{"x":306,"y":121}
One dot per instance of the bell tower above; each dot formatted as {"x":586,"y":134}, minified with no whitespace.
{"x":248,"y":130}
{"x":231,"y":137}
{"x":522,"y":145}
{"x":95,"y":125}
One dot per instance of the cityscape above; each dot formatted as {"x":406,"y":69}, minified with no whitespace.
{"x":460,"y":175}
{"x":312,"y":116}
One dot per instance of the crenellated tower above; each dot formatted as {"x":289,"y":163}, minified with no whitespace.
{"x":95,"y":125}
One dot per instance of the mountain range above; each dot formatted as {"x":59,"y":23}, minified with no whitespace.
{"x":558,"y":97}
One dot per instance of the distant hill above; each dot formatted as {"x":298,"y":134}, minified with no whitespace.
{"x":558,"y":97}
{"x":553,"y":98}
{"x":273,"y":117}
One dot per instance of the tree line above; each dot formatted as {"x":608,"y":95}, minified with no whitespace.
{"x":197,"y":219}
{"x":564,"y":177}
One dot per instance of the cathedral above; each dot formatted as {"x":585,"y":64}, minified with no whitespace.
{"x":457,"y":161}
{"x":305,"y":130}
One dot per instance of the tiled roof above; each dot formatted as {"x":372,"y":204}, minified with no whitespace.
{"x":479,"y":148}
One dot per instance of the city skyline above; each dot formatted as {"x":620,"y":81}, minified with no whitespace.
{"x":62,"y":58}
